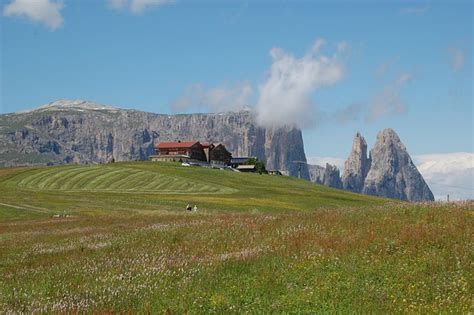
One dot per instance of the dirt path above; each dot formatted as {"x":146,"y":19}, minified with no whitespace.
{"x":23,"y":207}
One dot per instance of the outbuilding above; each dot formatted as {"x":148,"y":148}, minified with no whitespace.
{"x":179,"y":151}
{"x":247,"y":168}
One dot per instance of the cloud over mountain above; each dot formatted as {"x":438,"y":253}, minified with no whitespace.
{"x":285,"y":97}
{"x":218,"y":99}
{"x":448,"y":173}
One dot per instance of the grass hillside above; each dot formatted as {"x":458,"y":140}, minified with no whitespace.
{"x":117,"y":238}
{"x":161,"y":187}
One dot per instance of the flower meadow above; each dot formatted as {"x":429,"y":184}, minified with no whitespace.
{"x":257,"y":244}
{"x":395,"y":258}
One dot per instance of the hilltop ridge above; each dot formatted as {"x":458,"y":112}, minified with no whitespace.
{"x":66,"y":104}
{"x":77,"y":131}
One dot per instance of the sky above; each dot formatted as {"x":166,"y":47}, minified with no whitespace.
{"x":329,"y":67}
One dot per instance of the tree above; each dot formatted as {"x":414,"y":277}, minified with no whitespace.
{"x":259,"y":165}
{"x":251,"y":161}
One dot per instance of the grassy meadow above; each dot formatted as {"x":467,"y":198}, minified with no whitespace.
{"x":116,"y":238}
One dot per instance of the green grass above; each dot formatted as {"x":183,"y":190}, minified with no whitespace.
{"x":116,"y":238}
{"x":139,"y":186}
{"x":112,"y":179}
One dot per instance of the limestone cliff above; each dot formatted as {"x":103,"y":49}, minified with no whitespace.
{"x":85,"y":132}
{"x":392,"y":173}
{"x":328,"y":176}
{"x":316,"y":173}
{"x":332,"y":177}
{"x":356,"y":166}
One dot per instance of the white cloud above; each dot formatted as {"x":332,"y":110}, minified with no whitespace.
{"x":457,"y":58}
{"x":388,"y":101}
{"x":448,"y":173}
{"x":41,"y":11}
{"x":322,"y":160}
{"x":219,"y":99}
{"x":284,"y":97}
{"x":137,"y":6}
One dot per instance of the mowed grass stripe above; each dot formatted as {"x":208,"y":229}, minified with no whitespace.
{"x":163,"y":183}
{"x":136,"y":181}
{"x":112,"y":179}
{"x":87,"y":179}
{"x":109,"y":181}
{"x":128,"y":176}
{"x":34,"y":179}
{"x":75,"y":177}
{"x":175,"y":183}
{"x":53,"y":179}
{"x":37,"y":180}
{"x":155,"y":182}
{"x":170,"y":184}
{"x":178,"y":184}
{"x":65,"y":177}
{"x":184,"y":182}
{"x":80,"y":180}
{"x":120,"y":179}
{"x":102,"y":180}
{"x":19,"y":180}
{"x":187,"y":186}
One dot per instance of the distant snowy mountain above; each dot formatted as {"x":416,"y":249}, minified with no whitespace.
{"x":74,"y":105}
{"x":449,"y":173}
{"x":322,"y":160}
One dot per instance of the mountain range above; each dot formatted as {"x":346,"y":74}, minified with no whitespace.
{"x":78,"y":131}
{"x":387,"y":171}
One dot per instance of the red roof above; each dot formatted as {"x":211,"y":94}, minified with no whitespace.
{"x":207,"y":144}
{"x":176,"y":144}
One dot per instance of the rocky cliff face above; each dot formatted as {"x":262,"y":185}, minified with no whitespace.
{"x":388,"y":172}
{"x":316,"y":174}
{"x":328,"y":176}
{"x":356,"y":166}
{"x":392,"y":172}
{"x":332,"y":177}
{"x":85,"y":132}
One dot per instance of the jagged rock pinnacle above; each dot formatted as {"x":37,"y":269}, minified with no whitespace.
{"x":392,"y":173}
{"x":356,"y":166}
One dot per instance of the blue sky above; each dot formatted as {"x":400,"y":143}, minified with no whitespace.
{"x":404,"y":65}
